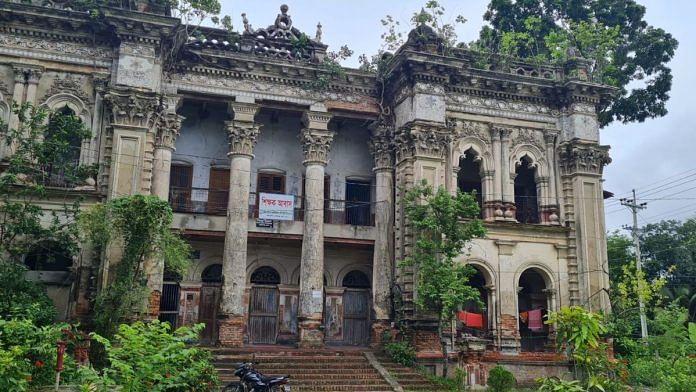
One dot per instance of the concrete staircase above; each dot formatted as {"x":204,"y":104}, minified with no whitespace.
{"x":408,"y":378}
{"x":309,"y":370}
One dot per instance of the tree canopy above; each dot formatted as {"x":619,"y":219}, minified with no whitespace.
{"x":631,"y":54}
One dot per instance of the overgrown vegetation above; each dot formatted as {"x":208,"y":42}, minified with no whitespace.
{"x":500,"y":380}
{"x":128,"y":231}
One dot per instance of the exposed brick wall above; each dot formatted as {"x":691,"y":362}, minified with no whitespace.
{"x":508,"y":325}
{"x":231,"y":332}
{"x":427,"y":344}
{"x":153,"y":304}
{"x":377,"y":332}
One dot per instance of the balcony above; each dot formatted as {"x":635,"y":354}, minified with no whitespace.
{"x":214,"y":202}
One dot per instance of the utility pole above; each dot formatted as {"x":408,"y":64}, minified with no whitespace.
{"x":635,"y":207}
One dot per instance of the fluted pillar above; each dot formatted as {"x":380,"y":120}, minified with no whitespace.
{"x":316,"y":142}
{"x":382,"y":152}
{"x":33,"y":77}
{"x":549,"y":203}
{"x":242,"y":133}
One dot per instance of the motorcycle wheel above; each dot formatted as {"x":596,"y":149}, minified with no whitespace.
{"x":234,"y":387}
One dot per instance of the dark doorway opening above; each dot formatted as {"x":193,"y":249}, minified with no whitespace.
{"x":527,"y":208}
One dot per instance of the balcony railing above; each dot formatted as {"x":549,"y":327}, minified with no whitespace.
{"x":214,"y":202}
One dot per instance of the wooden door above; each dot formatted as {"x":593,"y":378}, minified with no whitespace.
{"x":218,"y":190}
{"x":356,"y":315}
{"x":210,"y":299}
{"x":263,"y":315}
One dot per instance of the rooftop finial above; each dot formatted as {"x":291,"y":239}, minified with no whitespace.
{"x":247,"y":26}
{"x":318,"y":35}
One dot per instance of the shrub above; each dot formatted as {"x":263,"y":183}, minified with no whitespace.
{"x":147,"y":357}
{"x":500,"y":380}
{"x":20,"y":298}
{"x":555,"y":384}
{"x":28,"y":355}
{"x":401,"y":352}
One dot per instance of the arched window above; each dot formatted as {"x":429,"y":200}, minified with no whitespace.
{"x":532,"y":303}
{"x":61,"y":148}
{"x":265,"y":275}
{"x":48,"y":256}
{"x":356,"y":280}
{"x":477,"y":281}
{"x":527,"y":208}
{"x":469,"y":175}
{"x":212,"y":274}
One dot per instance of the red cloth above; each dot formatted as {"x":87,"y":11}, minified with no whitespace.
{"x":471,"y":320}
{"x":535,"y":323}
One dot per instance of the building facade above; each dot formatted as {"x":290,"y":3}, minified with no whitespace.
{"x":211,"y":124}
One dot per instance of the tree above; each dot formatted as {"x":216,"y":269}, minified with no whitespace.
{"x":639,"y":54}
{"x":442,"y":226}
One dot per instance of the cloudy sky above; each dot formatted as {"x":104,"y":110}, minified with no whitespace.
{"x":657,"y":157}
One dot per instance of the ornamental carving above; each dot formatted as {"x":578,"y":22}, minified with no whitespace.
{"x":527,"y":136}
{"x":168,"y":123}
{"x":242,"y":137}
{"x":71,"y":84}
{"x":577,"y":157}
{"x":464,"y":128}
{"x":316,"y":145}
{"x":381,"y":145}
{"x":132,"y":108}
{"x":421,"y":139}
{"x":24,"y":42}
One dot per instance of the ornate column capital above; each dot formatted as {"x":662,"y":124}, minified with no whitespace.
{"x":242,"y":131}
{"x":168,"y":122}
{"x":381,"y":146}
{"x":584,"y":158}
{"x":422,"y":139}
{"x":27,"y":73}
{"x":504,"y":131}
{"x":550,"y":138}
{"x":132,"y":108}
{"x":316,"y":138}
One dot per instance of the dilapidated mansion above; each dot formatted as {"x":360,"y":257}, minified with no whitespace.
{"x":216,"y":124}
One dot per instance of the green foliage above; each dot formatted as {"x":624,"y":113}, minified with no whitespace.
{"x":23,"y":299}
{"x":624,"y":50}
{"x":442,"y":225}
{"x":500,"y":380}
{"x":28,"y":355}
{"x":555,"y":384}
{"x":149,"y":357}
{"x":669,"y":333}
{"x":331,"y":69}
{"x":44,"y":147}
{"x":661,"y":374}
{"x":401,"y":352}
{"x":139,"y":225}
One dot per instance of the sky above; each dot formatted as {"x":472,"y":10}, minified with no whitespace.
{"x":654,"y":157}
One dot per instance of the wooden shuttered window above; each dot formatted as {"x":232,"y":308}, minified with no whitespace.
{"x":218,"y":190}
{"x":270,"y":183}
{"x":180,"y":179}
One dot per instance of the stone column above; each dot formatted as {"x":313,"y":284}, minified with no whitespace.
{"x":168,"y":130}
{"x":496,"y":202}
{"x":508,"y":331}
{"x":168,"y":126}
{"x":507,"y":177}
{"x":549,"y":206}
{"x":242,"y":133}
{"x":382,"y":260}
{"x":316,"y":142}
{"x":18,"y":98}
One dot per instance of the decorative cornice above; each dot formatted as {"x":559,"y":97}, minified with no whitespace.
{"x":424,"y":139}
{"x":577,"y":157}
{"x":132,"y":108}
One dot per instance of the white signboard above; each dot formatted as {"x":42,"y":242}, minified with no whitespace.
{"x":276,"y":207}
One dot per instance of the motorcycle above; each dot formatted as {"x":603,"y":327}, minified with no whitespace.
{"x":253,"y":381}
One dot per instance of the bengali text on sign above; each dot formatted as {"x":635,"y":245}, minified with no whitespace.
{"x":276,"y":207}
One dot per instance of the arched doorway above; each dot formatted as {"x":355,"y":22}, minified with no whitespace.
{"x":169,"y":301}
{"x":210,"y":299}
{"x":476,"y":326}
{"x":526,"y":200}
{"x":356,"y":309}
{"x":533,"y":305}
{"x":263,"y":306}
